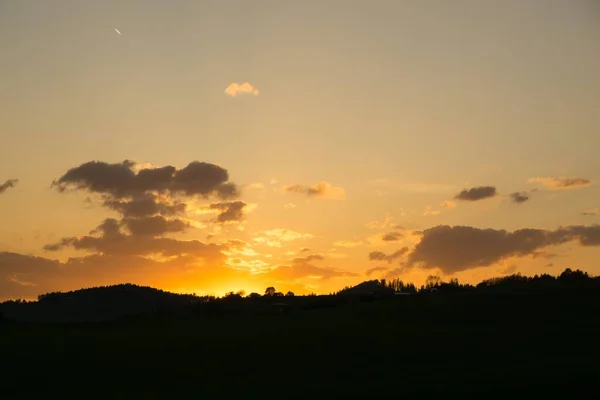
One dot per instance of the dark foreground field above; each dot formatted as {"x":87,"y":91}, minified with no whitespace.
{"x":523,"y":346}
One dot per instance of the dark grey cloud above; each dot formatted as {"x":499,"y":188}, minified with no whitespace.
{"x":9,"y":183}
{"x":476,"y":193}
{"x":111,"y":240}
{"x":229,"y":211}
{"x":154,"y":226}
{"x":458,"y":248}
{"x":119,"y":180}
{"x":145,"y":205}
{"x":519,"y":197}
{"x":391,"y":236}
{"x":148,"y":201}
{"x":381,"y":256}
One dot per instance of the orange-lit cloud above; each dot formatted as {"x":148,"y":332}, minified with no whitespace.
{"x":376,"y":270}
{"x":562,"y":183}
{"x":235,"y":89}
{"x":305,"y":267}
{"x":386,"y":222}
{"x":429,"y":211}
{"x":348,"y":243}
{"x":448,"y":204}
{"x":275,"y":237}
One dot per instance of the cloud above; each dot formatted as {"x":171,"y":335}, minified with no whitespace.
{"x":312,"y":257}
{"x":385,"y":223}
{"x":9,"y":183}
{"x":143,"y":205}
{"x":381,"y":256}
{"x":229,"y":211}
{"x":149,"y":199}
{"x":428,"y":211}
{"x":591,"y":212}
{"x":391,"y":236}
{"x":476,"y":193}
{"x":235,"y":89}
{"x":119,"y":180}
{"x":374,"y":270}
{"x":448,"y":204}
{"x":562,"y":183}
{"x":289,"y":205}
{"x":300,"y":268}
{"x":154,"y":226}
{"x":458,"y":248}
{"x":321,"y":189}
{"x":109,"y":239}
{"x":275,"y":237}
{"x":519,"y":197}
{"x":348,"y":243}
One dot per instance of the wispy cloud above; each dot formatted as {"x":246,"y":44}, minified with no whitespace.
{"x":10,"y":183}
{"x":321,"y":189}
{"x":235,"y":89}
{"x":348,"y":243}
{"x":591,"y":212}
{"x":275,"y":237}
{"x":561,"y":183}
{"x":449,"y":204}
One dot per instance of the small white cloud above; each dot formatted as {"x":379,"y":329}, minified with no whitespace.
{"x":235,"y":89}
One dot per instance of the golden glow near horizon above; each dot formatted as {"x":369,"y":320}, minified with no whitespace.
{"x":365,"y":141}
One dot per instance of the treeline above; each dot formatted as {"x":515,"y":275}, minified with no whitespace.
{"x":125,"y":300}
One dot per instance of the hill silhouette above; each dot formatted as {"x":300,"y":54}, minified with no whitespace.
{"x":97,"y":304}
{"x":519,"y":336}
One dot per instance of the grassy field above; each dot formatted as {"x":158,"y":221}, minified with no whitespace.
{"x":432,"y":345}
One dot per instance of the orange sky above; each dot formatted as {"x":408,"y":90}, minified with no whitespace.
{"x":302,"y":145}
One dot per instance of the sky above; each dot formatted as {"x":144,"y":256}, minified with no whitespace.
{"x":214,"y":146}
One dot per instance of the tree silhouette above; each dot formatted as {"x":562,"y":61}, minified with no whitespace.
{"x":433,"y":281}
{"x":270,"y":291}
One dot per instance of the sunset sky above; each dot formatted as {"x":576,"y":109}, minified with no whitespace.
{"x":208,"y":146}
